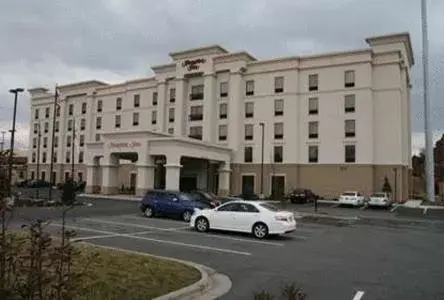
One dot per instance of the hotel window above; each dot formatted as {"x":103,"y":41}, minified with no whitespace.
{"x":58,"y":111}
{"x":172,"y":95}
{"x":47,"y":112}
{"x":82,"y":124}
{"x":171,"y":114}
{"x":118,"y":103}
{"x":350,"y":128}
{"x":44,"y":157}
{"x":68,"y":141}
{"x":196,"y":113}
{"x":350,"y":153}
{"x":313,"y":153}
{"x":117,"y":121}
{"x":349,"y":78}
{"x":349,"y":103}
{"x":223,"y":110}
{"x":69,"y":125}
{"x":313,"y":106}
{"x":83,"y":108}
{"x":155,"y":96}
{"x":197,"y":92}
{"x":82,"y":140}
{"x":313,"y":130}
{"x":80,"y":176}
{"x":36,"y":127}
{"x":223,"y":89}
{"x":71,"y":109}
{"x":80,"y":157}
{"x":97,"y":137}
{"x":196,"y":132}
{"x":248,"y":154}
{"x":136,"y":100}
{"x":68,"y":157}
{"x":99,"y":123}
{"x":99,"y":105}
{"x":278,"y":131}
{"x":249,"y":110}
{"x":248,"y":129}
{"x":32,"y":175}
{"x":55,"y":157}
{"x":279,"y":84}
{"x":33,"y":157}
{"x":223,"y":130}
{"x":278,"y":154}
{"x":46,"y":127}
{"x":57,"y":126}
{"x":45,"y":142}
{"x":279,"y":107}
{"x":313,"y":82}
{"x":135,"y":119}
{"x":171,"y":130}
{"x":56,"y":141}
{"x":249,"y":87}
{"x":36,"y":114}
{"x":153,"y":117}
{"x":34,"y":143}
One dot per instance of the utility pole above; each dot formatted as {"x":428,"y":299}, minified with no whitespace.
{"x":72,"y":147}
{"x":429,"y":161}
{"x":51,"y":167}
{"x":3,"y":141}
{"x":11,"y":154}
{"x":262,"y":124}
{"x":39,"y":135}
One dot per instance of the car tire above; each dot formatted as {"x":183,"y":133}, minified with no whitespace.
{"x":186,"y":216}
{"x":148,"y":212}
{"x":260,"y":230}
{"x":202,"y":224}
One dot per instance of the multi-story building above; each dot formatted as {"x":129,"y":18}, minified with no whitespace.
{"x":231,"y":123}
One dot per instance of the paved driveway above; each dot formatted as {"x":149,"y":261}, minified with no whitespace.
{"x":328,"y":262}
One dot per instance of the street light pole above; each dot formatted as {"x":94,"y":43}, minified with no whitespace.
{"x":39,"y":136}
{"x":3,"y":141}
{"x":72,"y":151}
{"x":15,"y":91}
{"x":262,"y":124}
{"x":429,"y":161}
{"x":51,"y":166}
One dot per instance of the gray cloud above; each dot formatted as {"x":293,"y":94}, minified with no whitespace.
{"x":65,"y":41}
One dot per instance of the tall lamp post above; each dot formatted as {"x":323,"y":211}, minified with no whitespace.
{"x":72,"y":149}
{"x":262,"y":124}
{"x":3,"y":141}
{"x":39,"y":137}
{"x":15,"y":91}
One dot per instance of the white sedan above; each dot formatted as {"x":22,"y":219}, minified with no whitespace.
{"x":352,"y":198}
{"x":256,"y":217}
{"x":380,"y":199}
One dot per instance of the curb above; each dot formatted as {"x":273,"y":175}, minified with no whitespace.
{"x":196,"y":290}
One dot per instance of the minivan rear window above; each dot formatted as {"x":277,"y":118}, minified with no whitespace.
{"x":349,"y":194}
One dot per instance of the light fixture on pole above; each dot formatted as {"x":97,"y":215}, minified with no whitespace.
{"x":15,"y":91}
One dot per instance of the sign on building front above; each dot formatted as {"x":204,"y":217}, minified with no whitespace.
{"x":127,"y":145}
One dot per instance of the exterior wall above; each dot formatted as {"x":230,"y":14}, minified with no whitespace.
{"x":382,"y":112}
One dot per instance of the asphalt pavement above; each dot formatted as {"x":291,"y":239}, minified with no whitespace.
{"x":327,"y":262}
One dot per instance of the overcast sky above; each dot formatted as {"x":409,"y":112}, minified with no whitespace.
{"x":48,"y":42}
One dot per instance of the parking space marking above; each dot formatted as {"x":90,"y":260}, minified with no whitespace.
{"x":132,"y":236}
{"x":185,"y":232}
{"x":104,"y":236}
{"x":358,"y":295}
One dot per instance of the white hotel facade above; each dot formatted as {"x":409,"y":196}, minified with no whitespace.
{"x":329,"y":122}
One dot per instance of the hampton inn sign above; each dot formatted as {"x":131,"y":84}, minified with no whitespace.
{"x":193,"y":64}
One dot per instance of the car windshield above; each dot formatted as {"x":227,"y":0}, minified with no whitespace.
{"x":269,"y":206}
{"x":349,"y":194}
{"x":378,"y":195}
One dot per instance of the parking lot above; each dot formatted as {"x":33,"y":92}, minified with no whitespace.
{"x":327,"y":262}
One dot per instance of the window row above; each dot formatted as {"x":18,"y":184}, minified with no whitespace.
{"x":69,"y":141}
{"x":349,"y":129}
{"x":68,"y":157}
{"x":70,"y":111}
{"x":349,"y":80}
{"x":54,"y":176}
{"x":313,"y":154}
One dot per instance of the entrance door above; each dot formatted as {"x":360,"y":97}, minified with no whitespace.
{"x":133,"y":180}
{"x":247,"y":185}
{"x":277,"y":186}
{"x":188,"y":184}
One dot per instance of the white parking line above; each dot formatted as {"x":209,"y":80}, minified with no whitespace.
{"x":154,"y":240}
{"x":358,"y":295}
{"x":185,"y":232}
{"x":104,"y":236}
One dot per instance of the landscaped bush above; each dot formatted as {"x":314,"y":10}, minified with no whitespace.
{"x":288,"y":292}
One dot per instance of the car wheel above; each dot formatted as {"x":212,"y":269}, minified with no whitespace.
{"x":202,"y":224}
{"x":260,"y":230}
{"x":149,"y":212}
{"x":186,"y":215}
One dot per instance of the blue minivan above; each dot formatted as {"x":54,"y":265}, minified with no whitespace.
{"x":171,"y":203}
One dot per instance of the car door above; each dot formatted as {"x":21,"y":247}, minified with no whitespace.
{"x":245,"y":217}
{"x":223,"y":217}
{"x":164,"y":203}
{"x":174,"y":204}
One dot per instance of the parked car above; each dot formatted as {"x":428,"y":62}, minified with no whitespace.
{"x":380,"y":199}
{"x":248,"y":196}
{"x":301,"y":196}
{"x":207,"y":198}
{"x":37,"y":184}
{"x":352,"y":198}
{"x":171,"y":203}
{"x":257,"y":217}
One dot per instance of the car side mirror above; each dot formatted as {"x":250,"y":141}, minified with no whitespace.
{"x":175,"y":199}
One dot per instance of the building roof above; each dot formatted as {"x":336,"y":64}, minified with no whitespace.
{"x":403,"y":37}
{"x":204,"y":50}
